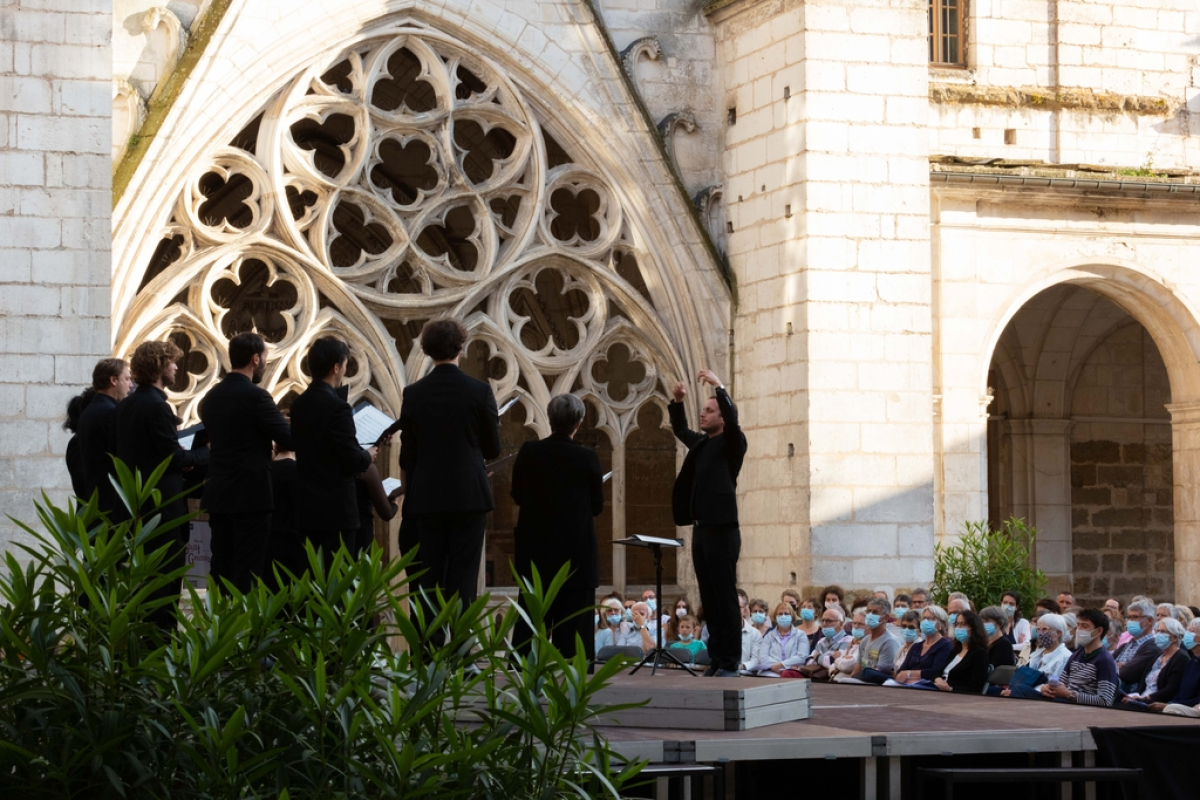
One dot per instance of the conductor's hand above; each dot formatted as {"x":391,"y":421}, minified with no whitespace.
{"x":709,"y":377}
{"x":680,"y":392}
{"x":374,"y":451}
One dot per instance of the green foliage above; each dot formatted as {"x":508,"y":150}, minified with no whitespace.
{"x":985,"y":564}
{"x":293,"y":694}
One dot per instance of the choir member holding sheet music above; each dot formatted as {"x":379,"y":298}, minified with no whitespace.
{"x":241,"y":420}
{"x":144,"y":431}
{"x":560,"y":488}
{"x":448,"y":429}
{"x":328,"y":455}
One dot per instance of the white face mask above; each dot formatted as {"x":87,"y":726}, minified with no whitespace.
{"x":832,"y":604}
{"x":681,"y":612}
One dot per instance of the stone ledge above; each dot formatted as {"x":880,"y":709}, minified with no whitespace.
{"x":1033,"y":168}
{"x":1048,"y":99}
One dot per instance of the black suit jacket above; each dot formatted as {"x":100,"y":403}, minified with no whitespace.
{"x":705,"y":492}
{"x":95,"y":448}
{"x":144,"y":433}
{"x":560,"y":489}
{"x":328,"y":456}
{"x":241,"y":420}
{"x":448,"y":429}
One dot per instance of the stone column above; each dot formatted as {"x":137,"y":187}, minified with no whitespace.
{"x":1041,"y":480}
{"x":1185,"y":453}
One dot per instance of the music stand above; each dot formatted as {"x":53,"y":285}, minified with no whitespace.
{"x":659,"y":654}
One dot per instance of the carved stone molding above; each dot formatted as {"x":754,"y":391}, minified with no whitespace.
{"x":129,"y":112}
{"x":671,"y":124}
{"x":177,"y":39}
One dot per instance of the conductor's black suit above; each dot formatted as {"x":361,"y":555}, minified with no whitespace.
{"x":328,"y":456}
{"x":144,"y":433}
{"x":560,"y":489}
{"x":705,"y":497}
{"x":241,"y":420}
{"x":448,"y":429}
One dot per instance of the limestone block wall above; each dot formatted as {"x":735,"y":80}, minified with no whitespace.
{"x":1127,"y":71}
{"x":827,"y":194}
{"x":55,"y":71}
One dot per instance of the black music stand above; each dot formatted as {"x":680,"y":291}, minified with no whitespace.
{"x":659,"y":654}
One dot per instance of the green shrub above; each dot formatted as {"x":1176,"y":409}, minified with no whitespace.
{"x":984,"y":564}
{"x":293,"y":694}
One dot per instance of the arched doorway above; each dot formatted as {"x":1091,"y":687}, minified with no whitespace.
{"x":1092,"y":434}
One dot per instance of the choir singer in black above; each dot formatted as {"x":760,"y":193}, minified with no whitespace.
{"x":560,"y":489}
{"x":705,"y":497}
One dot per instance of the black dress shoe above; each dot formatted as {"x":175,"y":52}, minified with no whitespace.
{"x":711,"y":671}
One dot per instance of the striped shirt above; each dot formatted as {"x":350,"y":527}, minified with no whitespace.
{"x":1127,"y":651}
{"x":1093,"y":676}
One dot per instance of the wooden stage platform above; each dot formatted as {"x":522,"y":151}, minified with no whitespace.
{"x":881,"y":728}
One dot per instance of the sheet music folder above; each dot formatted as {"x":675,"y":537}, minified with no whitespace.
{"x":637,"y":540}
{"x":371,"y":424}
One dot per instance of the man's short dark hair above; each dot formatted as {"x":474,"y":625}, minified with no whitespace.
{"x":565,"y":412}
{"x":443,"y":339}
{"x":244,"y":347}
{"x":1094,"y":616}
{"x":105,"y":371}
{"x":325,"y":354}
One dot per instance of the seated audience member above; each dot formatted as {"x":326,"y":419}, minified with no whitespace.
{"x":858,"y":604}
{"x":1000,"y":649}
{"x":1195,"y":613}
{"x":1183,"y":615}
{"x":702,"y":621}
{"x":834,"y":595}
{"x":612,"y":627}
{"x":1090,"y":676}
{"x":1161,"y":683}
{"x":783,"y":648}
{"x":686,"y":638}
{"x":1065,"y":600}
{"x":808,"y":624}
{"x":927,"y":659}
{"x":901,"y":604}
{"x":1112,"y":609}
{"x":629,"y":603}
{"x":1049,"y":604}
{"x":876,"y":647}
{"x":1165,"y":611}
{"x":1072,"y":623}
{"x":955,"y":605}
{"x":792,"y":598}
{"x":1136,"y":657}
{"x":758,"y":616}
{"x":908,"y":631}
{"x":833,"y":639}
{"x":844,"y":661}
{"x":1116,"y":629}
{"x":1016,"y":629}
{"x":1051,"y":655}
{"x":1187,"y":699}
{"x":920,"y":598}
{"x":751,"y":637}
{"x":967,"y":672}
{"x":642,"y":631}
{"x":681,"y":609}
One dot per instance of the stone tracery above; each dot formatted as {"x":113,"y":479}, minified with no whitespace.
{"x":405,"y":179}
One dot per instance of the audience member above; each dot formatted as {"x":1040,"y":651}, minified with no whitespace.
{"x":642,"y":628}
{"x":1090,"y":675}
{"x":686,"y":637}
{"x":877,"y":648}
{"x":1016,"y":629}
{"x":833,"y":595}
{"x":1187,"y":700}
{"x":1112,"y":609}
{"x":1052,"y":653}
{"x":751,"y":636}
{"x":1162,"y":681}
{"x":927,"y":659}
{"x":792,"y":598}
{"x":682,"y":608}
{"x":611,"y":627}
{"x":1112,"y":638}
{"x":1136,"y":657}
{"x":955,"y":605}
{"x":783,"y":648}
{"x":1049,"y":604}
{"x":902,"y":603}
{"x":920,"y":598}
{"x":908,"y":631}
{"x":1071,"y":621}
{"x":1065,"y":600}
{"x":967,"y":671}
{"x":759,"y":616}
{"x":1184,"y":615}
{"x":833,"y":639}
{"x":808,"y":624}
{"x":999,"y":647}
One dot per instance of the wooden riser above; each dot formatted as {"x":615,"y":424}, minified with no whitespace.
{"x":683,"y":702}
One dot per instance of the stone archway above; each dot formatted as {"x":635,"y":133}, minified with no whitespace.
{"x":1092,"y":431}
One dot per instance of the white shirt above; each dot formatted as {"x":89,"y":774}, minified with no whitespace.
{"x":751,"y":641}
{"x":1050,"y":663}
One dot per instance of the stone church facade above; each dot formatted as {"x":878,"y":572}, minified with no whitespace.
{"x":945,"y":253}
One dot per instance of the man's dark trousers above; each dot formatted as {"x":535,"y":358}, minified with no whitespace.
{"x":239,"y":547}
{"x":715,"y":552}
{"x":451,"y":546}
{"x":577,"y":601}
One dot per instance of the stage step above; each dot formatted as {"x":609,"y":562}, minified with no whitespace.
{"x":678,"y":700}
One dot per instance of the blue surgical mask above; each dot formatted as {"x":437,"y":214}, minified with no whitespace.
{"x":1162,"y":640}
{"x":857,"y":633}
{"x":653,"y":604}
{"x":784,"y":620}
{"x":829,"y":633}
{"x":873,"y":621}
{"x":597,"y":620}
{"x":1134,"y":627}
{"x":909,"y":634}
{"x":1189,"y":640}
{"x":928,"y":627}
{"x":1008,"y":610}
{"x":953,"y":619}
{"x":807,"y":614}
{"x":961,"y":634}
{"x":758,"y":618}
{"x":687,"y":638}
{"x":899,"y":610}
{"x":628,"y":615}
{"x":990,"y":627}
{"x":1104,"y":642}
{"x":615,"y":619}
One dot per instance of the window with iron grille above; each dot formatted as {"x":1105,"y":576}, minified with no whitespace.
{"x":946,"y":45}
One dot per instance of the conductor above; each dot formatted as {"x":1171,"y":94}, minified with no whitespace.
{"x":560,"y":489}
{"x":705,"y":497}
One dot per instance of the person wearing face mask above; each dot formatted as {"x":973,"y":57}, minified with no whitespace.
{"x":1161,"y":684}
{"x":681,"y":609}
{"x":967,"y":671}
{"x":908,"y":631}
{"x":807,"y":622}
{"x":956,"y":603}
{"x":1016,"y":629}
{"x":760,"y":616}
{"x":649,"y":599}
{"x":611,"y":627}
{"x":833,"y":596}
{"x":1051,"y":656}
{"x":927,"y":659}
{"x":783,"y":648}
{"x":1090,"y":676}
{"x":751,"y":636}
{"x":687,"y":639}
{"x":1136,"y":657}
{"x":1187,"y":699}
{"x":641,"y":631}
{"x":833,"y":640}
{"x":1000,"y":649}
{"x":901,"y":604}
{"x":877,"y":648}
{"x":920,"y":599}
